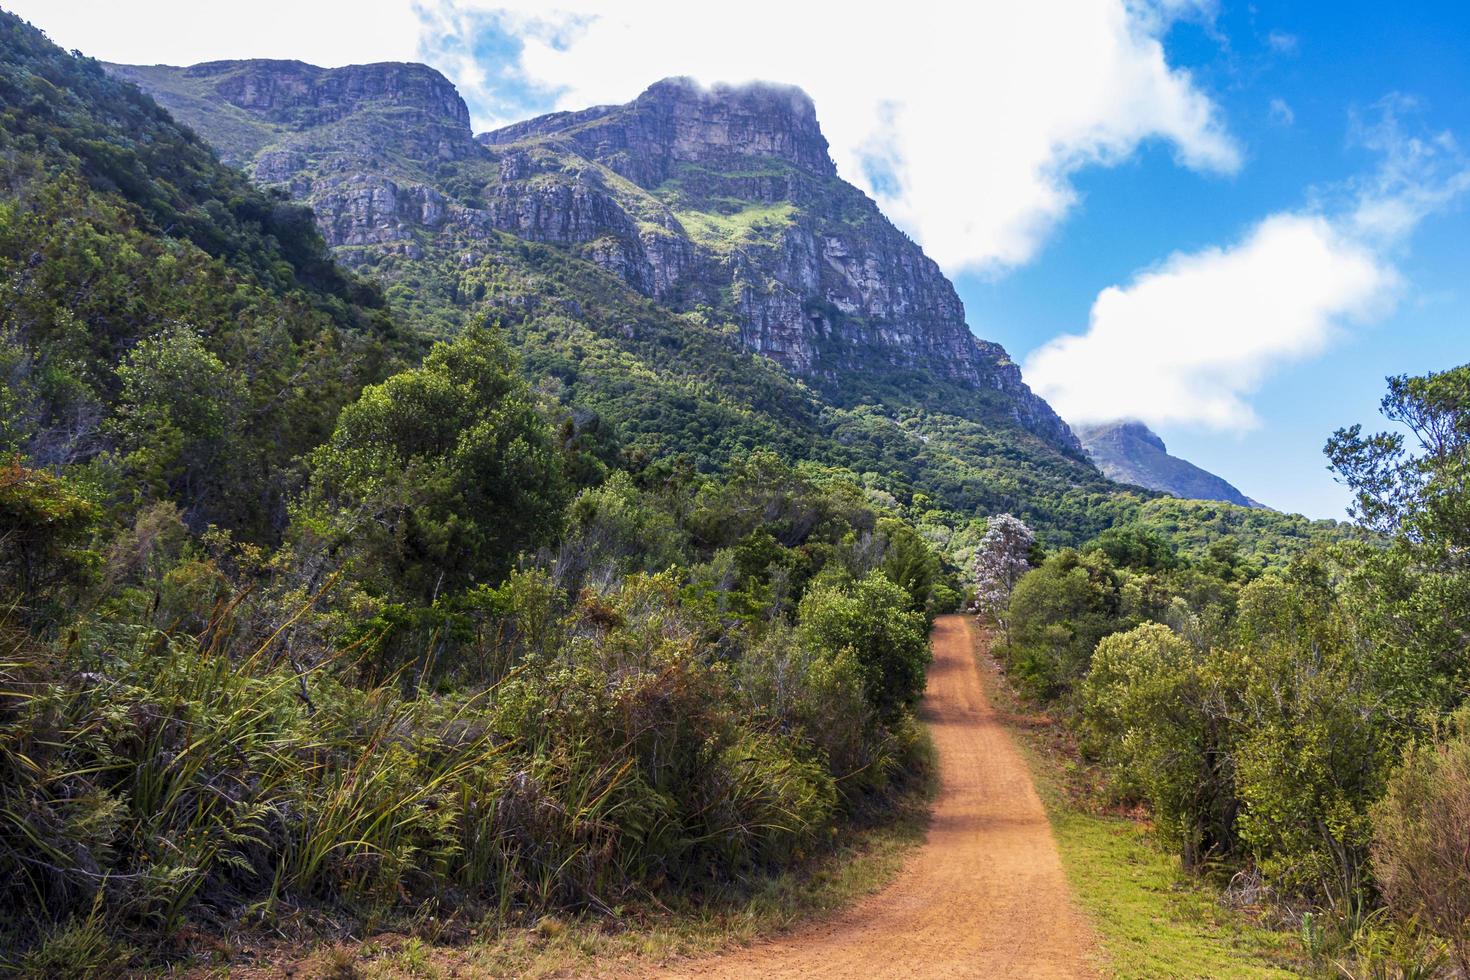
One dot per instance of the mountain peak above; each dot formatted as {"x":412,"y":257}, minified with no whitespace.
{"x":679,"y":121}
{"x":1130,"y":452}
{"x":296,"y":92}
{"x":1131,"y":429}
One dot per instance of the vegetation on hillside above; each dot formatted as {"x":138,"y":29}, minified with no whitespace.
{"x":295,"y":633}
{"x":308,"y":623}
{"x":1292,"y":726}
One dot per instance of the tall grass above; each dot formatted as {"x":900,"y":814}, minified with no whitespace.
{"x":150,"y":779}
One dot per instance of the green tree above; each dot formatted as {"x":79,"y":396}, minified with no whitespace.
{"x":45,"y":526}
{"x":1146,"y":711}
{"x":440,"y":476}
{"x":178,"y":418}
{"x":1415,"y":594}
{"x":876,"y":621}
{"x":1058,"y":613}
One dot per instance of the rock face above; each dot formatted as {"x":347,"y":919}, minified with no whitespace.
{"x":678,"y":122}
{"x":723,"y":200}
{"x":1131,"y":452}
{"x":302,"y":95}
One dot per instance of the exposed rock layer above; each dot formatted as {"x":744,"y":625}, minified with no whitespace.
{"x":724,"y":198}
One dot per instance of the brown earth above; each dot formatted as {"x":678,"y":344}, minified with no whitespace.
{"x":985,"y":895}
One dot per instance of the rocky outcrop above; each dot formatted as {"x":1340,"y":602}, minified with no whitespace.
{"x":723,"y":198}
{"x":1131,"y":452}
{"x":833,"y":288}
{"x":676,"y":121}
{"x":303,"y":96}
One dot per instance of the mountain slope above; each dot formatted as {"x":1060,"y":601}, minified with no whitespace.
{"x":142,"y":276}
{"x":724,"y":200}
{"x":640,"y":254}
{"x":1130,"y":452}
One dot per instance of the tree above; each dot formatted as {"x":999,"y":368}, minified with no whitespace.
{"x":1423,"y":493}
{"x":1057,"y":615}
{"x":908,"y":561}
{"x":44,"y":530}
{"x":441,"y":475}
{"x":1004,"y":557}
{"x":1415,"y":594}
{"x":876,"y":621}
{"x":1135,"y":546}
{"x":178,"y":419}
{"x":1144,"y":710}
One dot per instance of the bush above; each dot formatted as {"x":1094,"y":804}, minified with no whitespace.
{"x":874,"y":619}
{"x":1144,"y":713}
{"x":818,"y":694}
{"x":1420,"y":854}
{"x":1058,"y":613}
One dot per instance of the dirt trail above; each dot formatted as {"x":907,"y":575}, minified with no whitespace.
{"x":985,"y":896}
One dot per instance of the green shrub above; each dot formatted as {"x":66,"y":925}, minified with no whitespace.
{"x":1058,"y":613}
{"x":875,"y":619}
{"x":1146,"y":712}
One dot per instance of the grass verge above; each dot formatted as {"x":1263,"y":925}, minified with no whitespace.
{"x":1152,"y":920}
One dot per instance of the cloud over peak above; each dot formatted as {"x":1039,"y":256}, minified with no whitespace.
{"x":965,"y":122}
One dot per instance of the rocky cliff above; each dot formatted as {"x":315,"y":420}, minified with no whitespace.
{"x":1131,"y":452}
{"x":721,"y":201}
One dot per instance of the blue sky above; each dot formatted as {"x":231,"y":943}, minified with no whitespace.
{"x":1346,"y":58}
{"x":1230,"y":219}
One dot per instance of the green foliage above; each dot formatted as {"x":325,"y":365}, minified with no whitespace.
{"x":1145,"y":709}
{"x":133,"y":262}
{"x":179,"y":421}
{"x":45,"y":527}
{"x":1058,"y":613}
{"x":1135,"y":546}
{"x":1419,"y":854}
{"x":441,"y":475}
{"x":873,"y":619}
{"x":1261,"y":724}
{"x":1263,"y":539}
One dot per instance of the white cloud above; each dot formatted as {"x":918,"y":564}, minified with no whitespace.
{"x":975,"y":115}
{"x":183,"y":32}
{"x":1188,"y":342}
{"x":1282,"y":42}
{"x":1421,"y":173}
{"x":1184,"y":343}
{"x":1281,"y":113}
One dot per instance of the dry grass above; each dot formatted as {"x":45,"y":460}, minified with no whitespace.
{"x":860,"y":863}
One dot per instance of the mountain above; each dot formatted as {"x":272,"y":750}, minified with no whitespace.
{"x":688,"y":266}
{"x":723,"y":200}
{"x":1130,"y":452}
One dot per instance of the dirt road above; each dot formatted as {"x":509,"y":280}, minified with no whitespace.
{"x":985,"y":896}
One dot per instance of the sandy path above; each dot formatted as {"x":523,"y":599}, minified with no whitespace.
{"x":985,"y":896}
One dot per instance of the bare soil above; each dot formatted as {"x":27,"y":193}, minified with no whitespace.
{"x":984,"y":896}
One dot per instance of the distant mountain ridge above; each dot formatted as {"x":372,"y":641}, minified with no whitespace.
{"x":1130,"y":452}
{"x":723,"y":200}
